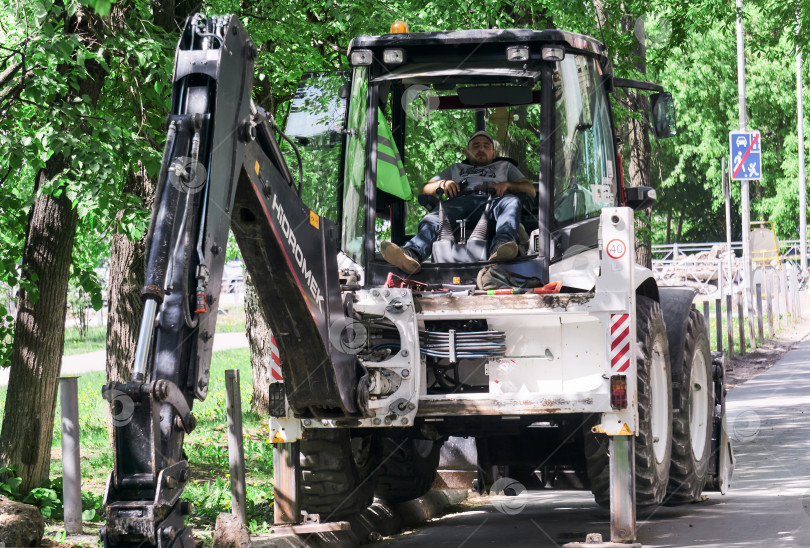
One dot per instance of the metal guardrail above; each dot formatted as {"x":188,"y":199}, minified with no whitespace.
{"x":662,"y":252}
{"x":709,"y":276}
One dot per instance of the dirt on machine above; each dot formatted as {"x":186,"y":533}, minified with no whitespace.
{"x":567,"y":364}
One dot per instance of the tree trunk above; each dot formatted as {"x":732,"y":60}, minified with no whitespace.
{"x":39,"y":332}
{"x":638,"y":142}
{"x":669,"y":227}
{"x":39,"y":335}
{"x":260,"y":355}
{"x":681,"y":218}
{"x":127,"y":260}
{"x":126,"y":279}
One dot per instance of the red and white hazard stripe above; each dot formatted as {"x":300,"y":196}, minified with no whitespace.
{"x":619,"y":342}
{"x":275,"y":361}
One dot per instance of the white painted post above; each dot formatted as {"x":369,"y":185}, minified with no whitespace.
{"x":71,"y":462}
{"x":727,"y":195}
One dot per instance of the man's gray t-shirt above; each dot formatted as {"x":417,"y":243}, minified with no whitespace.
{"x":481,"y":177}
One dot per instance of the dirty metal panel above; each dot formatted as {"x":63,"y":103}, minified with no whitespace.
{"x":451,"y":307}
{"x":522,"y":404}
{"x":583,"y":353}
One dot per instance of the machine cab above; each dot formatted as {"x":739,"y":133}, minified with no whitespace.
{"x":370,"y":138}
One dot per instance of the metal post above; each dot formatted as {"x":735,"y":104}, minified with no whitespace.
{"x":782,"y":305}
{"x":745,"y":205}
{"x":71,"y":467}
{"x":622,"y":489}
{"x":727,"y":195}
{"x":759,"y":313}
{"x":730,"y":325}
{"x":286,"y":487}
{"x":788,"y":307}
{"x":741,"y":320}
{"x":236,"y":449}
{"x":718,"y":318}
{"x":720,"y":278}
{"x":706,"y":317}
{"x":802,"y":178}
{"x":749,"y":301}
{"x":788,"y":299}
{"x":768,"y":293}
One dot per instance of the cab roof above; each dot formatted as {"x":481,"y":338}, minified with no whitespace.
{"x":483,"y":40}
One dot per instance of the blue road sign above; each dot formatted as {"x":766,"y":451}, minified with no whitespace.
{"x":746,"y":155}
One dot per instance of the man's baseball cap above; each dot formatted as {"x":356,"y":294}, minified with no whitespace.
{"x":482,"y":133}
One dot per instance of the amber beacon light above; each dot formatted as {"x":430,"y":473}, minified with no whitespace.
{"x":399,"y":27}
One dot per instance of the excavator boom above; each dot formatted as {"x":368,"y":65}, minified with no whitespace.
{"x":221,"y":168}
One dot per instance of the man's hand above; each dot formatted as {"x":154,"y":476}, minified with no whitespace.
{"x":450,"y":188}
{"x":502,"y":188}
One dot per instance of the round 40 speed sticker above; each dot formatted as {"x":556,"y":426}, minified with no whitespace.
{"x":616,"y":249}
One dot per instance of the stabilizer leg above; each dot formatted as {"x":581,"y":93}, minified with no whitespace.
{"x":286,"y":481}
{"x":622,"y":489}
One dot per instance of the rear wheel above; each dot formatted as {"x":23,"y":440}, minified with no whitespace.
{"x":692,"y":426}
{"x":408,"y":467}
{"x":653,"y":442}
{"x":337,"y":472}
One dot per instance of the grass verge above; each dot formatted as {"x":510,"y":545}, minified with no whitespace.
{"x":206,"y":448}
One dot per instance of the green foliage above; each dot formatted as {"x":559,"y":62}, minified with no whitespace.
{"x":206,"y":448}
{"x":48,"y":497}
{"x":94,"y":338}
{"x":704,"y":84}
{"x":10,"y":486}
{"x":102,"y":7}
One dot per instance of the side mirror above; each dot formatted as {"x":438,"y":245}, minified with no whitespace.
{"x":663,"y":115}
{"x":640,"y":197}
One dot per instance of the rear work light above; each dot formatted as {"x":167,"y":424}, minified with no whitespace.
{"x":618,"y":392}
{"x":553,"y":53}
{"x":517,"y":53}
{"x":361,"y":57}
{"x":393,"y":56}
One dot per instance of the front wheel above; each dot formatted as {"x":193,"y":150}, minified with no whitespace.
{"x":337,"y":472}
{"x":653,"y":443}
{"x":692,"y":427}
{"x":408,"y":466}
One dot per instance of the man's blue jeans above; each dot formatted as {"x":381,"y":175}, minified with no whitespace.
{"x":505,"y":211}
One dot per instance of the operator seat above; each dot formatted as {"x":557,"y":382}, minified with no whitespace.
{"x":458,"y":241}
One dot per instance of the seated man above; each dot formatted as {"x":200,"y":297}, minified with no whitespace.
{"x":466,"y":185}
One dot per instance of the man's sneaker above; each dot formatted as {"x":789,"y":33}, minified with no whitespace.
{"x":403,"y":259}
{"x":504,"y":251}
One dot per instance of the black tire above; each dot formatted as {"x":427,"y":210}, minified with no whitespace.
{"x":337,"y":472}
{"x":652,"y":473}
{"x":690,"y":457}
{"x":408,"y":467}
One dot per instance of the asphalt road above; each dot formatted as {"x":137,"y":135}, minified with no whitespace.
{"x":768,"y":504}
{"x":77,"y":364}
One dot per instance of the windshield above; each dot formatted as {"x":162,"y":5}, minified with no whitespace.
{"x":411,"y":125}
{"x":584,"y":169}
{"x":434,"y":112}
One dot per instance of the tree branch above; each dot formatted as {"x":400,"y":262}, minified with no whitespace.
{"x":12,"y":93}
{"x":9,"y":73}
{"x":3,"y":180}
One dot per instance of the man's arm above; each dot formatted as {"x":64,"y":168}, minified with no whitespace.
{"x":450,"y":187}
{"x":521,"y":185}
